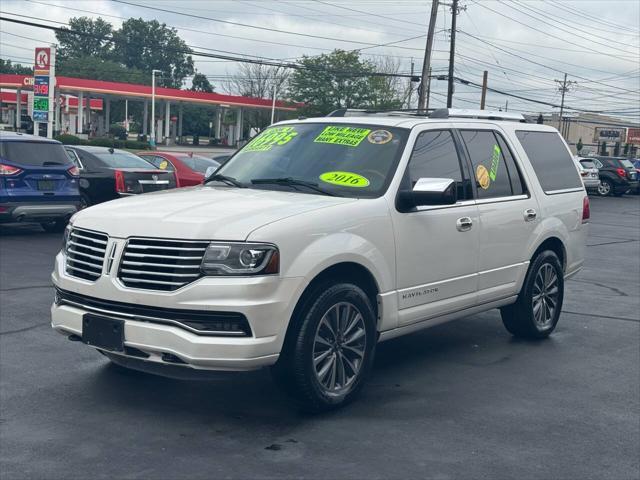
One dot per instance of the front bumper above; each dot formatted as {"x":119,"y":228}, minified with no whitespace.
{"x":266,"y":302}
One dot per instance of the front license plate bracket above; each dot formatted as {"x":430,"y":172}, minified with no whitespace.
{"x":103,"y":332}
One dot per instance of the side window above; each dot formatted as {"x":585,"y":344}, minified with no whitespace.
{"x":518,"y":185}
{"x":488,"y":162}
{"x":597,"y":163}
{"x":435,"y":156}
{"x":550,"y":159}
{"x":159,"y":162}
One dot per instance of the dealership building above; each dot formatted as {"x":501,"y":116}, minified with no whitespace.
{"x":81,"y":107}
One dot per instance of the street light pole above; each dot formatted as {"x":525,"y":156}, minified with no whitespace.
{"x":152,"y":140}
{"x":273,"y":103}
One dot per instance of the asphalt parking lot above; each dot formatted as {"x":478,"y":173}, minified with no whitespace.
{"x":462,"y":400}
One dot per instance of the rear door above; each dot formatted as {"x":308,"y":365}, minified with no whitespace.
{"x":508,"y":214}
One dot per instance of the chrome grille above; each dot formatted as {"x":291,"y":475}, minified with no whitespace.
{"x":158,"y":264}
{"x":85,"y":253}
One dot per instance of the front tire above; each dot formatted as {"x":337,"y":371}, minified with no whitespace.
{"x":330,"y":350}
{"x":537,"y":310}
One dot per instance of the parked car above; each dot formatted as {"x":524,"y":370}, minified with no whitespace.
{"x":323,"y":236}
{"x":617,"y":175}
{"x":38,"y":183}
{"x":189,"y":169}
{"x":222,"y":159}
{"x":589,"y":173}
{"x":636,"y":165}
{"x":109,"y":173}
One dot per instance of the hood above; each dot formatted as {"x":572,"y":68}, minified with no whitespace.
{"x":203,"y":212}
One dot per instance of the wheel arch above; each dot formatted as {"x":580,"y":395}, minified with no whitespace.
{"x":555,"y":245}
{"x":347,"y":271}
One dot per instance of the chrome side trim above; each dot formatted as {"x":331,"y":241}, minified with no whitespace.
{"x":511,"y":198}
{"x":565,"y":190}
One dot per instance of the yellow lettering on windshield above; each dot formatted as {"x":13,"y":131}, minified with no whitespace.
{"x":267,"y":139}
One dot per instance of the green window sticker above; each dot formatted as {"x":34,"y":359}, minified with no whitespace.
{"x":345,"y":179}
{"x":495,"y":162}
{"x":348,"y":136}
{"x":267,"y":139}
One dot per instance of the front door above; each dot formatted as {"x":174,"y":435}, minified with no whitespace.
{"x":436,"y":246}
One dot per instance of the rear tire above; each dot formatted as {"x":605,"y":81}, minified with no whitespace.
{"x":55,"y":226}
{"x":537,"y":310}
{"x":330,"y":349}
{"x":605,"y":188}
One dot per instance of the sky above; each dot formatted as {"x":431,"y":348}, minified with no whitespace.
{"x":525,"y":45}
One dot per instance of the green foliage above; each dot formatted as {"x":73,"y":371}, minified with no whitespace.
{"x":196,"y":119}
{"x":67,"y":139}
{"x":115,"y":143}
{"x":118,"y":131}
{"x":147,"y":45}
{"x":341,"y":79}
{"x":92,"y":41}
{"x":15,"y":68}
{"x":200,"y":83}
{"x":579,"y":145}
{"x":100,"y":69}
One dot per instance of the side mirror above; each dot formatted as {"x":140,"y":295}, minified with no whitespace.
{"x":427,"y":191}
{"x":209,"y":172}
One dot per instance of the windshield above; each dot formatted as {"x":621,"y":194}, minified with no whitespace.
{"x":122,"y":159}
{"x":350,"y":160}
{"x":197,"y":163}
{"x":588,"y":164}
{"x":36,"y":154}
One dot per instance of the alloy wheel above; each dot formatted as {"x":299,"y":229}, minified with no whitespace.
{"x":339,"y":348}
{"x":604,"y":188}
{"x":545,"y":296}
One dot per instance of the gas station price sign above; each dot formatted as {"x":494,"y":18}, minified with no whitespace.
{"x":41,"y":86}
{"x":41,"y":104}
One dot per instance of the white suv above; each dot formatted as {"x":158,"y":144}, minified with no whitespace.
{"x":324,"y":236}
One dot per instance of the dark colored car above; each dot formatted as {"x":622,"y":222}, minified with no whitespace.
{"x":38,"y":182}
{"x":617,"y":175}
{"x":189,"y":168}
{"x":222,"y":159}
{"x":636,"y":165}
{"x":108,"y":173}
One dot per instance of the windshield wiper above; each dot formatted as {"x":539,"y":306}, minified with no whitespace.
{"x":224,"y":179}
{"x":288,"y":181}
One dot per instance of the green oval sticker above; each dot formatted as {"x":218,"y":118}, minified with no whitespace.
{"x":345,"y":179}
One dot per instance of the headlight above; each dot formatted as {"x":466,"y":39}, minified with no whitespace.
{"x":65,"y":238}
{"x":240,"y":259}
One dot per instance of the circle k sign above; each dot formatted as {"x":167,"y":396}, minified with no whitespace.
{"x":43,"y":58}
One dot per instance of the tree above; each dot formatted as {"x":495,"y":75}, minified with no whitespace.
{"x":15,"y":68}
{"x":579,"y":145}
{"x":388,"y":92}
{"x":100,"y":69}
{"x":258,"y":81}
{"x":200,"y":83}
{"x":331,"y":81}
{"x":148,"y":45}
{"x":94,"y":40}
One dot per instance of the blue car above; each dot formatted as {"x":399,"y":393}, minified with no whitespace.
{"x":38,"y":181}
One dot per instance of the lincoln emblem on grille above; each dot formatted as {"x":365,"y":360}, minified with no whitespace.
{"x":154,"y":177}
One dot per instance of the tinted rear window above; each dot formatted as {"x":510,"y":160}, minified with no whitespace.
{"x":550,"y":159}
{"x":122,"y":159}
{"x":626,"y":163}
{"x":36,"y":154}
{"x":588,"y":164}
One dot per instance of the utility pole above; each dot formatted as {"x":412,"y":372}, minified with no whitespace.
{"x":484,"y":89}
{"x":273,"y":103}
{"x":426,"y":65}
{"x":563,"y":87}
{"x":428,"y":89}
{"x":452,"y":52}
{"x":410,"y":85}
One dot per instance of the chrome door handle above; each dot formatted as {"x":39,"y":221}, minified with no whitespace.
{"x":530,"y":215}
{"x":463,"y":224}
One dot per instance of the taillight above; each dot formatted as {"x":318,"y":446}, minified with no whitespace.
{"x":120,"y":188}
{"x":74,"y":171}
{"x":9,"y":170}
{"x":584,"y":174}
{"x":586,"y":210}
{"x":622,"y":172}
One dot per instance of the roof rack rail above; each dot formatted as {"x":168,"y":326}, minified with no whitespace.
{"x":481,"y":114}
{"x":361,"y":112}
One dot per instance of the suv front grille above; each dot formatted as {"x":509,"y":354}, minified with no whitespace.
{"x":85,"y":254}
{"x":158,"y":264}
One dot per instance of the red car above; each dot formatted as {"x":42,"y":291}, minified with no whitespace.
{"x":189,"y":169}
